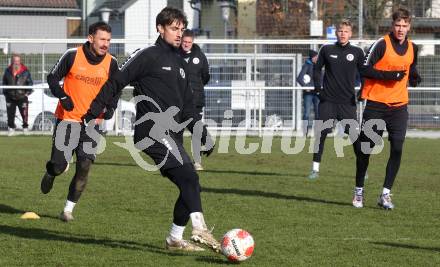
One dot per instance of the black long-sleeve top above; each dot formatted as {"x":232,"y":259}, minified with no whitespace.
{"x":157,"y":72}
{"x":377,"y":51}
{"x":65,"y":63}
{"x":342,"y":63}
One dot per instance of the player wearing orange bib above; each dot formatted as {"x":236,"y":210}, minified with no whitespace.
{"x":389,"y":67}
{"x":84,"y":69}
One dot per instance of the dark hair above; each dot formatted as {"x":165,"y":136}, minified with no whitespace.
{"x":170,"y":14}
{"x":312,"y":53}
{"x":402,"y":13}
{"x":188,"y":33}
{"x":100,"y":25}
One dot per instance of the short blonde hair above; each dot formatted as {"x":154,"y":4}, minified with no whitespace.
{"x":345,"y":22}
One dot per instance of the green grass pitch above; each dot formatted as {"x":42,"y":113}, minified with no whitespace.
{"x":125,"y":213}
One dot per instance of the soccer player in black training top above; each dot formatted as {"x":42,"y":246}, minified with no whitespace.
{"x":157,"y":73}
{"x":342,"y":61}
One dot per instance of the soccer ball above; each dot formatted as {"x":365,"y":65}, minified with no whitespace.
{"x":237,"y":245}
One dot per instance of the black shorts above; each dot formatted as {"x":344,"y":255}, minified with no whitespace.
{"x":329,"y":110}
{"x":65,"y":142}
{"x":165,"y":159}
{"x":165,"y":150}
{"x":199,"y":111}
{"x":395,"y":119}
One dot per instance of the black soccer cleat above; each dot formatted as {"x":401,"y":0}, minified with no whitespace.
{"x":47,"y":183}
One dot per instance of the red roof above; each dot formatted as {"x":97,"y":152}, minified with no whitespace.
{"x":40,"y":3}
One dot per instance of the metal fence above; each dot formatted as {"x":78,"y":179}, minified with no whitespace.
{"x":255,"y":79}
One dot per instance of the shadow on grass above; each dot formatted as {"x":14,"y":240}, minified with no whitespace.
{"x":245,"y":172}
{"x":115,"y":164}
{"x":212,"y":260}
{"x":49,"y":235}
{"x":257,"y":193}
{"x":408,"y":246}
{"x":9,"y":210}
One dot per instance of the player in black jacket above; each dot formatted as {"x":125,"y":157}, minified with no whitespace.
{"x":342,"y":62}
{"x":197,"y":70}
{"x":164,"y":108}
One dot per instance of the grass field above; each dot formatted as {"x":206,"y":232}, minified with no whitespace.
{"x":125,"y":212}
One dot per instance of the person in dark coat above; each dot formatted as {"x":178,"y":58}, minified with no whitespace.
{"x":17,"y":74}
{"x":198,"y":76}
{"x":305,"y":78}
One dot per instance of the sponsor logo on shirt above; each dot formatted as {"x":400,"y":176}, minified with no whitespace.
{"x":350,"y":57}
{"x":196,"y":60}
{"x":88,"y":80}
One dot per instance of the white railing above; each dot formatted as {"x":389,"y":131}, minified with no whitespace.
{"x":254,"y":78}
{"x":42,"y":108}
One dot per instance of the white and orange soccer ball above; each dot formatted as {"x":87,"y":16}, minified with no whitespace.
{"x":237,"y":245}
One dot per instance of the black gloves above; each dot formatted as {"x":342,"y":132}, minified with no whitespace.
{"x":317,"y":90}
{"x":209,"y":151}
{"x":109,"y":113}
{"x":207,"y":142}
{"x":66,"y":103}
{"x":359,"y":96}
{"x":415,"y":80}
{"x":394,"y":75}
{"x":87,"y":118}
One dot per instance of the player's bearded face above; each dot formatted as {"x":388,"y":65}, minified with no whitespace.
{"x":172,"y":34}
{"x":343,"y":34}
{"x":100,"y":42}
{"x":401,"y":29}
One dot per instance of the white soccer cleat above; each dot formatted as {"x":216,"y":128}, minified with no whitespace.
{"x":385,"y":202}
{"x":198,"y":166}
{"x":204,"y":236}
{"x":313,"y":175}
{"x":183,"y":245}
{"x":66,"y":216}
{"x":11,"y":132}
{"x":358,"y":199}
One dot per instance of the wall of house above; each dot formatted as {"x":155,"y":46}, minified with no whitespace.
{"x":212,"y":20}
{"x":29,"y":26}
{"x":140,"y":22}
